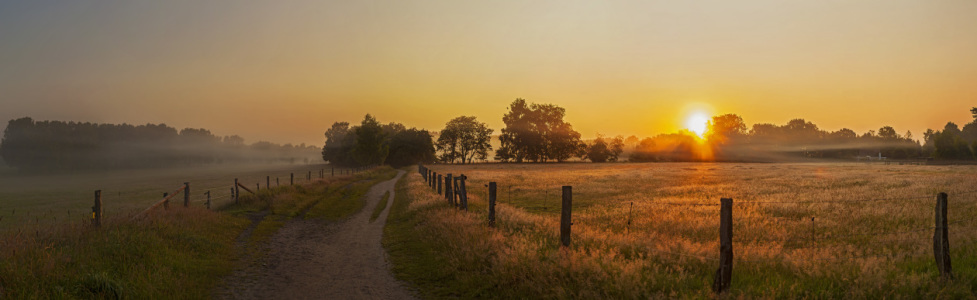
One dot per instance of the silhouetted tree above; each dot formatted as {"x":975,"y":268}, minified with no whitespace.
{"x":370,"y":147}
{"x":538,"y":133}
{"x":464,"y":138}
{"x":410,"y":146}
{"x":604,"y":150}
{"x":339,"y":145}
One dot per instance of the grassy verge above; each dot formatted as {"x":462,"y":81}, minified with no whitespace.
{"x":380,"y":206}
{"x":182,"y":252}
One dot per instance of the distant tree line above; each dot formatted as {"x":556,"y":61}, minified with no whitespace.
{"x":56,"y":145}
{"x":537,"y":133}
{"x":953,"y":143}
{"x":372,"y":143}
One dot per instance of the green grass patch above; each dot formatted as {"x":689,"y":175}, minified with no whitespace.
{"x":380,"y":206}
{"x":182,"y":250}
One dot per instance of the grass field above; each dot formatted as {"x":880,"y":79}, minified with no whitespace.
{"x":175,"y":253}
{"x":799,"y":230}
{"x":32,"y":200}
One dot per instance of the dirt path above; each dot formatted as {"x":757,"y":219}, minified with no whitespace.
{"x":308,"y":259}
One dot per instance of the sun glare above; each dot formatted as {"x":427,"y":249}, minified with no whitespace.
{"x":697,"y":123}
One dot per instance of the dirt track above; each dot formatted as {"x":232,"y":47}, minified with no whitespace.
{"x":308,"y":259}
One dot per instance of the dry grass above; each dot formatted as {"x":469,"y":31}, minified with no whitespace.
{"x":822,"y":241}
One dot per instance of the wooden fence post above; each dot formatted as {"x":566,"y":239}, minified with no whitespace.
{"x":434,"y":181}
{"x":463,"y":193}
{"x":257,"y":186}
{"x":941,"y":242}
{"x":97,"y":209}
{"x":310,"y":175}
{"x":237,"y":191}
{"x":454,"y":196}
{"x":565,"y":220}
{"x":208,"y":199}
{"x":233,"y":196}
{"x":491,"y":199}
{"x":724,"y":274}
{"x":268,"y":182}
{"x":291,"y":178}
{"x":186,"y":194}
{"x":439,"y":179}
{"x":447,"y":187}
{"x":166,"y":203}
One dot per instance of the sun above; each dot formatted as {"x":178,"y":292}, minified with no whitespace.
{"x":696,"y":123}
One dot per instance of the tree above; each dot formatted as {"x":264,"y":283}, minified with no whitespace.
{"x":725,"y":128}
{"x":538,"y":133}
{"x":410,"y":146}
{"x":339,"y":145}
{"x":464,"y":138}
{"x":370,"y":147}
{"x":604,"y":150}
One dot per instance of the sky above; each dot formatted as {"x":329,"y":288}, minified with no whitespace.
{"x":284,"y":71}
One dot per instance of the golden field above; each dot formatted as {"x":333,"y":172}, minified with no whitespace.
{"x":799,"y":230}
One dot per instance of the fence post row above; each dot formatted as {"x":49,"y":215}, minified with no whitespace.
{"x":941,"y":242}
{"x":186,"y":194}
{"x":724,"y":274}
{"x":463,"y":193}
{"x":447,"y":187}
{"x":565,"y":221}
{"x":491,"y":196}
{"x":97,"y":209}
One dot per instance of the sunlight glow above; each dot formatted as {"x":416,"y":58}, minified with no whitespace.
{"x":697,"y":123}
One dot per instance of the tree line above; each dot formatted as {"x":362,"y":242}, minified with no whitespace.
{"x":537,"y":133}
{"x":30,"y":145}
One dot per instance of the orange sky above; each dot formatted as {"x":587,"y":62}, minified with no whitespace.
{"x":283,"y":71}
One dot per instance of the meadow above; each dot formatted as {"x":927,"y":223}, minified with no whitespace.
{"x":32,"y":200}
{"x":821,"y":230}
{"x":168,"y":253}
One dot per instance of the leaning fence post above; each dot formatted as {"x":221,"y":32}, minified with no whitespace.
{"x":447,"y":187}
{"x":491,"y":199}
{"x":724,"y":274}
{"x":565,"y":221}
{"x":186,"y":194}
{"x":463,"y":194}
{"x":941,"y":242}
{"x":237,"y":191}
{"x":97,"y":209}
{"x":208,"y":199}
{"x":166,"y":203}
